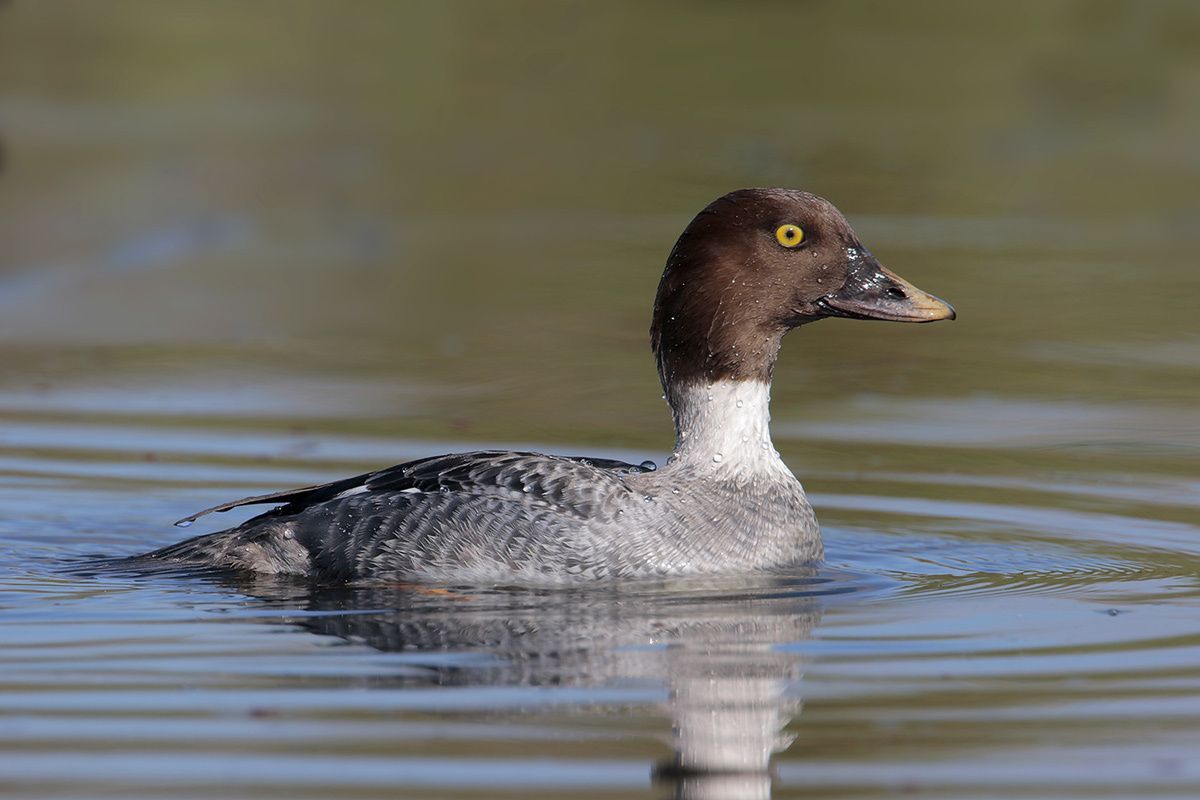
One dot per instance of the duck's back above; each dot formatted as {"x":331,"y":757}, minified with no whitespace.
{"x":488,"y":516}
{"x":478,"y":514}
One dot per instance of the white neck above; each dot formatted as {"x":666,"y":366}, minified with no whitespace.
{"x":726,"y":426}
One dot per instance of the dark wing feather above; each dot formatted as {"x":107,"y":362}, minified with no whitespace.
{"x":456,"y":472}
{"x":304,"y":496}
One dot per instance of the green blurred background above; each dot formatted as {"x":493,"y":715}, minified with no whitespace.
{"x":448,"y":219}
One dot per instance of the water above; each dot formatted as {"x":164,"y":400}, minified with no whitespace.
{"x":249,"y":247}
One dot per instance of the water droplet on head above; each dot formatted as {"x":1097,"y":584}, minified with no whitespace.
{"x":526,"y":489}
{"x":739,"y":403}
{"x":717,"y":457}
{"x":674,"y":491}
{"x":648,"y":499}
{"x":649,"y":465}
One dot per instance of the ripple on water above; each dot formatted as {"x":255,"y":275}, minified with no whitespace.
{"x":958,"y":619}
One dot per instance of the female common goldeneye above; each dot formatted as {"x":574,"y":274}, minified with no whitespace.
{"x":750,"y":267}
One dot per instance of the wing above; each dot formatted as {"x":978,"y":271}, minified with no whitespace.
{"x":541,"y":476}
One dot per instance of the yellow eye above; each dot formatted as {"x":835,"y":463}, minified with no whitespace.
{"x":789,"y":235}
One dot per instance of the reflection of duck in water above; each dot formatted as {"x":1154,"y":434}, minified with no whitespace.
{"x":753,"y":265}
{"x":731,"y":690}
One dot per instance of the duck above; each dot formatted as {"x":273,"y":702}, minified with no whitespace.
{"x":750,"y":267}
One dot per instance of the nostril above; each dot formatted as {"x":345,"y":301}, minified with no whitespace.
{"x":895,"y":293}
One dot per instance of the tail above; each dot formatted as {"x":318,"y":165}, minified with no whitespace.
{"x":264,"y":546}
{"x":209,"y":549}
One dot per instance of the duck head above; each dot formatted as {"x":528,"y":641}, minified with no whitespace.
{"x":757,"y":263}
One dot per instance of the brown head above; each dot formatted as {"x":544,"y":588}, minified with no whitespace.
{"x":757,"y":263}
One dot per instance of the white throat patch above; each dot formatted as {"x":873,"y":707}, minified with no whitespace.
{"x":726,"y":424}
